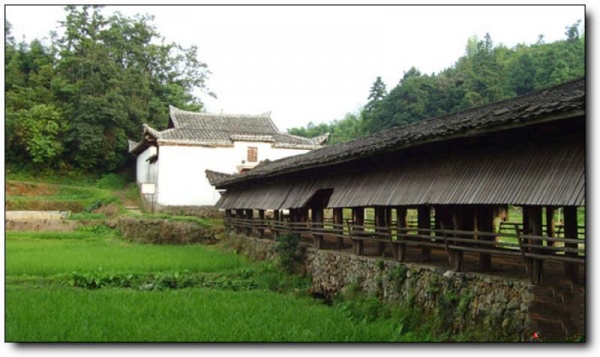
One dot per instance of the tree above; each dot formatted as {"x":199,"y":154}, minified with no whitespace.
{"x":75,"y":102}
{"x":378,"y":91}
{"x":34,"y":125}
{"x":348,"y":128}
{"x":39,"y":130}
{"x":572,"y":32}
{"x":113,"y":76}
{"x":372,"y":110}
{"x":485,"y":74}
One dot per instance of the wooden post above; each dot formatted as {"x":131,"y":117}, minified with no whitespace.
{"x":463,"y":218}
{"x":338,"y":221}
{"x":443,"y":218}
{"x":388,"y":224}
{"x":534,"y":214}
{"x":226,"y":220}
{"x":424,"y":221}
{"x":570,"y":219}
{"x":550,"y":223}
{"x":275,"y":229}
{"x":296,"y":217}
{"x":261,"y":217}
{"x":249,"y":222}
{"x":303,"y":214}
{"x":400,"y":248}
{"x":239,"y":214}
{"x":526,"y":229}
{"x":457,"y":222}
{"x":380,"y":223}
{"x":303,"y":217}
{"x":358,"y":217}
{"x":317,"y":220}
{"x":485,"y":223}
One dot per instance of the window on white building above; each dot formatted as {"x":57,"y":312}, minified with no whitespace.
{"x":252,"y":154}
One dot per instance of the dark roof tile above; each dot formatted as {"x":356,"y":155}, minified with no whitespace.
{"x":495,"y":116}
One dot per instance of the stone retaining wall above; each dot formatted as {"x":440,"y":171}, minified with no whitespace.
{"x":36,"y":225}
{"x":198,"y":211}
{"x":38,"y":221}
{"x":463,"y":300}
{"x":162,"y":231}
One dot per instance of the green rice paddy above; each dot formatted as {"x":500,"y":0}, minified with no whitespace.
{"x":43,"y":306}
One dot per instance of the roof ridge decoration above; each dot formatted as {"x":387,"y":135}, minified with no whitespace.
{"x":152,"y":131}
{"x":132,"y":144}
{"x":174,"y":110}
{"x":321,"y":139}
{"x":214,"y":177}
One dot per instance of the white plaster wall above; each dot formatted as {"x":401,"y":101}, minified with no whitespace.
{"x":145,"y":172}
{"x":181,"y":176}
{"x":182,"y":180}
{"x":265,"y":151}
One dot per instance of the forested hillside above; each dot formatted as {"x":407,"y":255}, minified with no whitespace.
{"x":72,"y":103}
{"x":485,"y":74}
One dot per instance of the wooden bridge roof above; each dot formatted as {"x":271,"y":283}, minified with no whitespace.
{"x":548,"y":173}
{"x":520,"y":111}
{"x":551,"y":176}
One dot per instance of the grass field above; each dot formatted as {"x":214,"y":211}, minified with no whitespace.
{"x":209,"y":296}
{"x":50,"y":253}
{"x":186,"y":315}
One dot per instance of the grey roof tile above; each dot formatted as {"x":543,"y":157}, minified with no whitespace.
{"x":223,"y":129}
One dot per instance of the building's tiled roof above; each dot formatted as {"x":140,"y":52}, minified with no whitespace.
{"x":132,"y":144}
{"x":223,"y":129}
{"x":519,"y":111}
{"x":214,"y":176}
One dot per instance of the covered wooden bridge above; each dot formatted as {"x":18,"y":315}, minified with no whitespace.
{"x":505,"y":180}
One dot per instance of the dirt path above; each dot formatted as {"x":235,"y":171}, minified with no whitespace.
{"x":129,"y":204}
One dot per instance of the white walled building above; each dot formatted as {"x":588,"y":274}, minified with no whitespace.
{"x":176,"y":159}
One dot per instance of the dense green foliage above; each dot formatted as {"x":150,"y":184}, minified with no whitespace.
{"x":485,"y":74}
{"x":74,"y":103}
{"x":340,"y":130}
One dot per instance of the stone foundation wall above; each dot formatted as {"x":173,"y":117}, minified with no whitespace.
{"x":463,"y":300}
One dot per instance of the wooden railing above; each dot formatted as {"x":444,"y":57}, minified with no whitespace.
{"x":506,"y":242}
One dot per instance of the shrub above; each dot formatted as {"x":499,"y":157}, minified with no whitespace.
{"x":111,"y":181}
{"x":100,"y":229}
{"x":289,"y":254}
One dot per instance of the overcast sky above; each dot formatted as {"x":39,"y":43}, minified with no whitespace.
{"x":318,"y":63}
